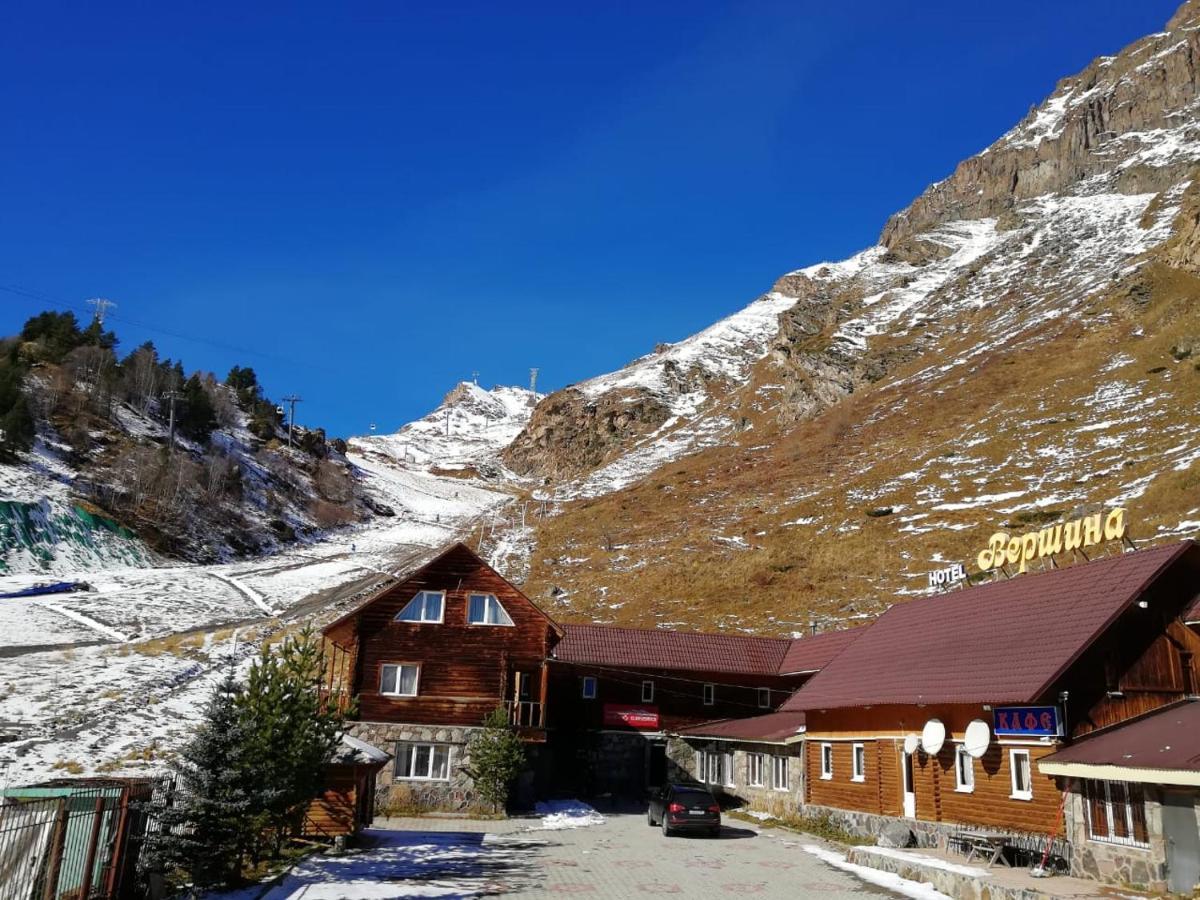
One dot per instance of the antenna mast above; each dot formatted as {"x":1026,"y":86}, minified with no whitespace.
{"x":101,"y":306}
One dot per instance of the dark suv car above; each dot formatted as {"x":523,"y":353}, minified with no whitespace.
{"x":684,"y":807}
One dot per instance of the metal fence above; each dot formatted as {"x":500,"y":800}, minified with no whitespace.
{"x":73,"y":841}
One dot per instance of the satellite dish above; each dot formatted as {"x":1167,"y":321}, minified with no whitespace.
{"x":933,"y":735}
{"x":910,"y":744}
{"x":977,"y":739}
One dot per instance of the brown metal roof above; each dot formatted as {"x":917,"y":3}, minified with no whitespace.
{"x":773,"y":728}
{"x":1003,"y":642}
{"x":811,"y":654}
{"x":605,"y":645}
{"x":1168,"y":739}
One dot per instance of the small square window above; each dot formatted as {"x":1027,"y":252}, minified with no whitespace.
{"x":1022,"y":780}
{"x":647,"y":691}
{"x":589,"y":687}
{"x":860,"y":763}
{"x":827,"y":761}
{"x":964,"y":770}
{"x":764,"y":698}
{"x":710,"y":694}
{"x":399,"y":679}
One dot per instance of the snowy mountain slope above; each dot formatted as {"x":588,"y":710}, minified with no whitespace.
{"x":1021,"y":344}
{"x":164,"y":631}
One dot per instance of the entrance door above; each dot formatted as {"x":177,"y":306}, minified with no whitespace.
{"x":1183,"y":842}
{"x":910,"y":797}
{"x":657,"y":774}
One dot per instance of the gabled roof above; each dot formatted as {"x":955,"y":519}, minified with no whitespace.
{"x":1004,"y":642}
{"x":811,"y":654}
{"x":1161,"y":748}
{"x":606,"y":645}
{"x":772,"y":728}
{"x":456,"y":547}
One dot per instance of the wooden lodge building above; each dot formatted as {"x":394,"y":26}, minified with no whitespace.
{"x":988,"y":710}
{"x":955,"y":714}
{"x":428,"y":658}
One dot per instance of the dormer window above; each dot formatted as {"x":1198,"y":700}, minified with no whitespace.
{"x":427,"y":606}
{"x":485,"y":609}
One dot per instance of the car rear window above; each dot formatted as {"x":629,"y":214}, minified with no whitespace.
{"x":694,"y":798}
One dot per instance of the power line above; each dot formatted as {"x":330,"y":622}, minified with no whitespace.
{"x":44,"y":298}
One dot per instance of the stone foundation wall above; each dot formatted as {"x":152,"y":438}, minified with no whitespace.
{"x":456,"y":794}
{"x":1117,"y":863}
{"x":767,"y":799}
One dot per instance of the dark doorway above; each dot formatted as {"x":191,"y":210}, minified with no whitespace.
{"x":657,"y":775}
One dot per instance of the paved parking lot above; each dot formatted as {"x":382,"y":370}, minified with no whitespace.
{"x":621,"y":858}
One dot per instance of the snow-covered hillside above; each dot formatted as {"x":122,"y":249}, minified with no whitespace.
{"x":109,"y":680}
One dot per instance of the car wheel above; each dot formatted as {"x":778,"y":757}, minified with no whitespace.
{"x":650,"y":819}
{"x":666,"y":828}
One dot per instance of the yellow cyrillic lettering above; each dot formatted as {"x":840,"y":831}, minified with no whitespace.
{"x":1114,"y":525}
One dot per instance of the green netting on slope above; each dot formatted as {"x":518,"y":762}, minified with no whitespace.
{"x":45,"y":535}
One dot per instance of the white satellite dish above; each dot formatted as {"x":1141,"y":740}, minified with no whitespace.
{"x":911,"y":742}
{"x":933,"y":735}
{"x":977,"y":738}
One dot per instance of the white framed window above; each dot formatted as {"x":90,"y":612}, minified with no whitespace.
{"x":423,"y":762}
{"x":727,"y":766}
{"x":964,"y":770}
{"x":485,"y":609}
{"x":859,"y":758}
{"x":1022,"y":775}
{"x":1116,"y":812}
{"x":779,"y":773}
{"x":710,"y":694}
{"x":714,"y":765}
{"x":589,"y":687}
{"x":427,"y":606}
{"x":647,"y":691}
{"x":754,"y":769}
{"x":764,"y":698}
{"x":399,"y":679}
{"x":826,"y":761}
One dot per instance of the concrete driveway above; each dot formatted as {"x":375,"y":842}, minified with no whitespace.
{"x":619,"y":858}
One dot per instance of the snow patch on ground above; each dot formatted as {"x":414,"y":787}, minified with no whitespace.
{"x":559,"y":814}
{"x":915,"y":889}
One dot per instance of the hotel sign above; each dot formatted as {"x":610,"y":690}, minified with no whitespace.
{"x":644,"y":718}
{"x":1027,"y":721}
{"x":947,"y":576}
{"x":1021,"y":549}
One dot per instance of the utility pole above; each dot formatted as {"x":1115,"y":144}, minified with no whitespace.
{"x":293,"y":400}
{"x":172,"y":396}
{"x":447,"y":423}
{"x":533,"y":381}
{"x":475,"y":378}
{"x":101,"y":306}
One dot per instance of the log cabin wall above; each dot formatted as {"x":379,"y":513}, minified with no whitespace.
{"x":466,"y":670}
{"x":678,"y":695}
{"x":881,"y":730}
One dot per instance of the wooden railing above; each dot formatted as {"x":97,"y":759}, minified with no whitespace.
{"x":526,"y":713}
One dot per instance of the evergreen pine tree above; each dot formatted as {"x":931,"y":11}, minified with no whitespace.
{"x":292,"y":734}
{"x":197,"y":418}
{"x":497,"y":757}
{"x":205,"y":836}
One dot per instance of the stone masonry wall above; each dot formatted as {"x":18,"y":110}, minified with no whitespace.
{"x":456,"y":794}
{"x":1117,"y":863}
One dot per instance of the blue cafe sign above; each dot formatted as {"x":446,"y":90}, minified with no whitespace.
{"x":1026,"y":721}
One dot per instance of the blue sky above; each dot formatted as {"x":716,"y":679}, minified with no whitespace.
{"x":369,"y":201}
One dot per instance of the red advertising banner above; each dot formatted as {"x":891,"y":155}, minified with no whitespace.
{"x":645,"y":717}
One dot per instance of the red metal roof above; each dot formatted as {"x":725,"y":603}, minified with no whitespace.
{"x":1192,"y":616}
{"x":811,"y":654}
{"x":773,"y":728}
{"x":1003,"y":642}
{"x":605,"y":645}
{"x":1167,"y":739}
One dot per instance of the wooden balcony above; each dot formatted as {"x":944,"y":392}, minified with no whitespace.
{"x":529,"y":719}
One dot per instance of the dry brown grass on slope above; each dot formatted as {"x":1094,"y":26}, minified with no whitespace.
{"x":662,"y":549}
